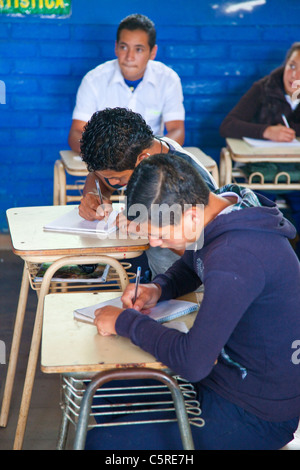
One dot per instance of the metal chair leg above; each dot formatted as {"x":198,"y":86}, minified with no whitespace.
{"x":128,"y":374}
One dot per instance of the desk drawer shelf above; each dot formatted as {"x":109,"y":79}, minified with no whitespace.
{"x":112,"y":283}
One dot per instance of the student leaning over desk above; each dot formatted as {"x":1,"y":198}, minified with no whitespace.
{"x":248,"y":320}
{"x":114,"y":141}
{"x":258,"y":114}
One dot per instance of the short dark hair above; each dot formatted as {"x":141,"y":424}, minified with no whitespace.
{"x":113,"y":139}
{"x":294,"y":47}
{"x":137,"y":21}
{"x":165,"y":179}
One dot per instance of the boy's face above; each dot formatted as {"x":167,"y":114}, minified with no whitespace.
{"x":133,"y":52}
{"x":176,"y":237}
{"x":115,"y":178}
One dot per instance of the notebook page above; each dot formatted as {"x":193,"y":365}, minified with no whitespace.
{"x":163,"y":311}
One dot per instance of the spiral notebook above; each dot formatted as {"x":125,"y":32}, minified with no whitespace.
{"x":164,"y":311}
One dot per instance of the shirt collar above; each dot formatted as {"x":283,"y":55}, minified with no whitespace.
{"x":149,"y":75}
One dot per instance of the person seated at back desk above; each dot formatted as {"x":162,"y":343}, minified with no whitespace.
{"x":135,"y":81}
{"x":113,"y":143}
{"x":258,"y":115}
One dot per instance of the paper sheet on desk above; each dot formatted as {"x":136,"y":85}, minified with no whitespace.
{"x":270,"y":143}
{"x":72,"y":222}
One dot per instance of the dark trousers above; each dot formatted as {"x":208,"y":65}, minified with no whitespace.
{"x":227,"y":427}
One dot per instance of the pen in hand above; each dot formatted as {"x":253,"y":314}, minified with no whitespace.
{"x":101,"y":198}
{"x":285,"y":121}
{"x":137,"y":281}
{"x":99,"y":191}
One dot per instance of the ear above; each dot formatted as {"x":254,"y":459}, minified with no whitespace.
{"x":193,"y":221}
{"x":153,"y":52}
{"x":141,"y":157}
{"x":116,"y":48}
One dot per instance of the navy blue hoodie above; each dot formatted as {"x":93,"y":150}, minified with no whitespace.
{"x":249,"y":318}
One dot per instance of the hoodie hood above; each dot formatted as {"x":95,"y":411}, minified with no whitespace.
{"x":264,"y":217}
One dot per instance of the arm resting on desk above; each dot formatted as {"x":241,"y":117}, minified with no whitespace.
{"x":193,"y":354}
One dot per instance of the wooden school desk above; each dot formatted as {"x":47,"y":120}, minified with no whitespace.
{"x":238,"y":150}
{"x":77,"y":351}
{"x":34,"y":245}
{"x":70,"y":163}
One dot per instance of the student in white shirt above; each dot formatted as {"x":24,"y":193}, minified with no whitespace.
{"x":134,"y":81}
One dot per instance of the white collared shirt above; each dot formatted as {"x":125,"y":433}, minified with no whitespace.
{"x":158,"y":97}
{"x":293,"y":103}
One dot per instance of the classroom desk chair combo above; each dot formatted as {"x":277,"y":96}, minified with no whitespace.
{"x":76,"y":351}
{"x":36,"y":246}
{"x":238,"y":152}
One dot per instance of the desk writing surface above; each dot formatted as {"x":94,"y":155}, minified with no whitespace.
{"x":72,"y":346}
{"x":240,"y":148}
{"x":28,"y":236}
{"x":73,"y":161}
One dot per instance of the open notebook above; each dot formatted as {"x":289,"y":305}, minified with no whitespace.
{"x":72,"y":222}
{"x":270,"y":143}
{"x":164,"y":311}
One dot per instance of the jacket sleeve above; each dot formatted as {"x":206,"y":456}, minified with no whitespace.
{"x":239,"y":122}
{"x":227,"y":296}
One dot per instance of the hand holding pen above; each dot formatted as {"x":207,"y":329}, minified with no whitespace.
{"x":141,"y":297}
{"x":89,"y":208}
{"x":279,"y":132}
{"x":103,"y":210}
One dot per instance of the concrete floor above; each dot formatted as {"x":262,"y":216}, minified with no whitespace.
{"x":45,"y":413}
{"x":44,"y":416}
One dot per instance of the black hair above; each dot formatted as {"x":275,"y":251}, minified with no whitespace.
{"x":165,"y":179}
{"x":113,"y":139}
{"x":137,"y":21}
{"x":294,"y":47}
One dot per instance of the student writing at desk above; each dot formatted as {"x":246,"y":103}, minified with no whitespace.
{"x":259,"y":112}
{"x":113,"y":143}
{"x":248,"y":320}
{"x":134,"y":80}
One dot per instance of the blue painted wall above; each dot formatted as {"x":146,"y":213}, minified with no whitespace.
{"x":217,"y":53}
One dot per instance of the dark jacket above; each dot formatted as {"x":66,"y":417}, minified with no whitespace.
{"x":250,"y":313}
{"x":260,"y":107}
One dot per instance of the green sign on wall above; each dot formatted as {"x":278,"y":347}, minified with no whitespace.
{"x":36,"y":7}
